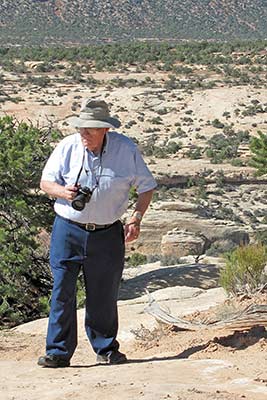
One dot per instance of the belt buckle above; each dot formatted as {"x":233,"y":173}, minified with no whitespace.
{"x":90,"y":227}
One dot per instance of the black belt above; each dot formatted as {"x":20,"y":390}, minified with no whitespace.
{"x":90,"y":226}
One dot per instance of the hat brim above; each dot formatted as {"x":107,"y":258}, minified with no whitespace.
{"x":77,"y":122}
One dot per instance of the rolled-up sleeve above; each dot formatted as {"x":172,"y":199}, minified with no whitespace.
{"x":144,"y":180}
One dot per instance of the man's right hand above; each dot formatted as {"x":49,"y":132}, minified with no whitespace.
{"x":69,"y":192}
{"x":55,"y":190}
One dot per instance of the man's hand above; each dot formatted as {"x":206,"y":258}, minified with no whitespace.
{"x":69,"y":192}
{"x":132,"y":230}
{"x":59,"y":191}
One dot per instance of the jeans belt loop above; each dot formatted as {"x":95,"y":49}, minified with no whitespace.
{"x":90,"y":227}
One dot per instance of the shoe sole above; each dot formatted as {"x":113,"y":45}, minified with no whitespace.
{"x":108,"y":362}
{"x":52,"y":364}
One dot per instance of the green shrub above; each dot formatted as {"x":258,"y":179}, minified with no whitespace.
{"x":173,"y":147}
{"x":194,"y":154}
{"x":181,"y":133}
{"x":237,"y":162}
{"x":244,"y":269}
{"x":156,"y":120}
{"x":258,"y":146}
{"x":25,"y":214}
{"x":221,"y":148}
{"x":217,"y":124}
{"x":137,"y":259}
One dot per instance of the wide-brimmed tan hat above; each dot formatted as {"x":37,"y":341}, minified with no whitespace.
{"x":94,"y":114}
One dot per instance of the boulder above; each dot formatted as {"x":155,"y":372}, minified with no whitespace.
{"x":182,"y":243}
{"x":157,"y":223}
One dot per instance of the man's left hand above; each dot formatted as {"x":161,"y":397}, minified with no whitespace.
{"x":132,"y":230}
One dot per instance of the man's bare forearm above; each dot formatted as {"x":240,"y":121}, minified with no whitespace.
{"x":53,"y":189}
{"x":132,"y":228}
{"x":143,"y":201}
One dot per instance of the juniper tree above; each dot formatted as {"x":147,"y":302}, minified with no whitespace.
{"x":24,"y":214}
{"x":258,"y":146}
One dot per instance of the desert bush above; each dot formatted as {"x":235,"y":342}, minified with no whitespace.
{"x":244,"y":269}
{"x":41,"y":81}
{"x":162,"y":111}
{"x":221,"y":148}
{"x":237,"y":162}
{"x":180,"y":133}
{"x":155,"y":120}
{"x":220,"y":178}
{"x":217,"y":124}
{"x":258,"y":146}
{"x":226,"y":114}
{"x":195,"y":154}
{"x":253,"y":109}
{"x":45,"y":67}
{"x":160,"y":152}
{"x":137,"y":259}
{"x":187,"y":120}
{"x":130,"y":123}
{"x":149,"y":148}
{"x":172,"y":147}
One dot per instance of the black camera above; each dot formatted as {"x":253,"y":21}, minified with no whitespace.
{"x":83,"y":196}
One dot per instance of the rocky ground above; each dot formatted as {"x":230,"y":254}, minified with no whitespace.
{"x":164,"y":363}
{"x":201,"y":208}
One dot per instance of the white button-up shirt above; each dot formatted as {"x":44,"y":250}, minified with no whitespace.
{"x":110,"y":176}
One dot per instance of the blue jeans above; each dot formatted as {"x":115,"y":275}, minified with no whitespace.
{"x":100,"y":254}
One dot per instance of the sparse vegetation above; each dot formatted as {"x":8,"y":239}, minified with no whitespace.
{"x":74,"y":22}
{"x":244,"y":269}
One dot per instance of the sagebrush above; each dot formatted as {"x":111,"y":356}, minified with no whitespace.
{"x":245,"y":269}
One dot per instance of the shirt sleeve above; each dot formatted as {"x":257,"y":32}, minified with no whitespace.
{"x":52,"y":171}
{"x":144,"y":180}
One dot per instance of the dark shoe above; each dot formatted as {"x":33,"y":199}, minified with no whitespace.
{"x":112,"y":357}
{"x":53,"y":361}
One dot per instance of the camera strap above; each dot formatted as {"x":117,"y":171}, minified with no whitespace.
{"x":82,"y":166}
{"x":79,"y":174}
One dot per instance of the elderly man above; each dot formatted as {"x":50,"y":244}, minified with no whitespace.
{"x":90,"y":174}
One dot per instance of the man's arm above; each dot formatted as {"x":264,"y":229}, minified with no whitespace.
{"x":59,"y":191}
{"x":132,"y":228}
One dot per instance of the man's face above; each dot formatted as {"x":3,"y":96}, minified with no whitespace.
{"x":92,"y":138}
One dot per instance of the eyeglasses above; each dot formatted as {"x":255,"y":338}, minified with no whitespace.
{"x":92,"y":131}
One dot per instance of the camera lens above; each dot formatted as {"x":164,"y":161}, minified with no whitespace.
{"x":78,"y":204}
{"x":83,"y":196}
